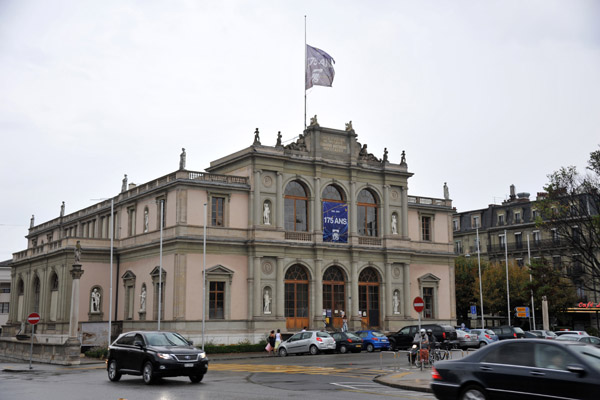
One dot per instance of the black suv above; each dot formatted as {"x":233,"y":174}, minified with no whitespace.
{"x":153,"y":355}
{"x":403,"y":339}
{"x":508,"y":332}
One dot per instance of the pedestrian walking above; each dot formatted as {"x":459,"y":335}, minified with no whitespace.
{"x":271,"y":343}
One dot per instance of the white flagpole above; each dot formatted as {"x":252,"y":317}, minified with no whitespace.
{"x":162,"y":204}
{"x":530,"y":279}
{"x":507,"y":286}
{"x":480,"y":286}
{"x":305,"y":72}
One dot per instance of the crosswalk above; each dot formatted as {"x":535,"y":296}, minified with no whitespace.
{"x":291,"y":369}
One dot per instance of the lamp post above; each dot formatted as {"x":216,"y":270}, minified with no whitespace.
{"x":204,"y":273}
{"x":480,"y":286}
{"x":162,"y":205}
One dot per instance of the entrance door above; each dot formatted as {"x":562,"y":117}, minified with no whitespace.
{"x":334,"y":295}
{"x":368,"y":297}
{"x":296,"y":298}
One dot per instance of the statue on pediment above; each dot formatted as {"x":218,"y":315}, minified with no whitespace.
{"x":278,"y":144}
{"x":349,"y":126}
{"x":256,"y":138}
{"x":313,"y":121}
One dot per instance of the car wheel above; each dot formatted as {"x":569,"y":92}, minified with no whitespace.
{"x":343,"y":349}
{"x":282,"y":352}
{"x":370,"y":348}
{"x":313,"y":350}
{"x":148,"y":373}
{"x":482,"y":344}
{"x":473,"y":392}
{"x":196,"y":378}
{"x":113,"y":373}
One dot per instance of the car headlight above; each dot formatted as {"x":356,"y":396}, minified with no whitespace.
{"x":203,"y":355}
{"x":164,"y":356}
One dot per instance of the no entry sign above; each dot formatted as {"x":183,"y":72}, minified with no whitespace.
{"x":418,"y":304}
{"x":33,"y":318}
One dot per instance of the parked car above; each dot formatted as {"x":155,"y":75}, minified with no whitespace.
{"x":484,"y":336}
{"x":531,"y":335}
{"x":465,"y":340}
{"x":521,"y":369}
{"x":312,"y":342}
{"x":567,"y":332}
{"x":580,"y":338}
{"x":374,"y":340}
{"x":543,"y":334}
{"x":347,"y":341}
{"x":154,"y":355}
{"x":403,"y":339}
{"x":509,"y":332}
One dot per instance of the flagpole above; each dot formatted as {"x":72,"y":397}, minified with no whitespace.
{"x":507,"y":286}
{"x":305,"y":72}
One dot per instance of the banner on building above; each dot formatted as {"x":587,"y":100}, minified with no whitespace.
{"x":335,"y":222}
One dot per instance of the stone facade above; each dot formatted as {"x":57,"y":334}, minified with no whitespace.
{"x":267,"y":263}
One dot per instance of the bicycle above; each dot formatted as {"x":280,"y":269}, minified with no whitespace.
{"x":437,"y":354}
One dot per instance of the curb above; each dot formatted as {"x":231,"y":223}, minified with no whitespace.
{"x":378,"y":379}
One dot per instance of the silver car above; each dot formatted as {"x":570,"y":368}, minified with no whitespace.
{"x":485,"y":336}
{"x":312,"y":342}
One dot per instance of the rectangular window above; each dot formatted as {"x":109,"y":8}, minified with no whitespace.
{"x":576,"y":234}
{"x":458,"y":247}
{"x":426,"y":228}
{"x":4,"y":287}
{"x":131,"y":222}
{"x":501,"y":219}
{"x":554,"y":235}
{"x":428,"y":299}
{"x":501,"y":240}
{"x":536,"y":238}
{"x":517,"y":217}
{"x":216,"y":301}
{"x":217,"y":211}
{"x":556,"y":262}
{"x":4,"y":308}
{"x":519,"y":240}
{"x":534,"y":215}
{"x":476,"y":221}
{"x":520,"y":262}
{"x":455,"y":226}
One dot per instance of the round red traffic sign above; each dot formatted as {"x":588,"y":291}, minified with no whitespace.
{"x":33,"y":318}
{"x":418,"y":304}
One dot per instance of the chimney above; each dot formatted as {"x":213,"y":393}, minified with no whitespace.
{"x":512,"y":193}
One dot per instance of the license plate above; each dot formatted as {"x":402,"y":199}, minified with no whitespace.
{"x":188,"y":365}
{"x":359,"y":345}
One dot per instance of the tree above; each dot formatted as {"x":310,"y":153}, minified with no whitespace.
{"x":570,"y":210}
{"x":466,"y":278}
{"x":494,"y":288}
{"x":560,"y":292}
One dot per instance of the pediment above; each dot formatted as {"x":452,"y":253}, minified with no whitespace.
{"x":128,"y":275}
{"x":219,"y":270}
{"x":155,"y":271}
{"x":429,"y":277}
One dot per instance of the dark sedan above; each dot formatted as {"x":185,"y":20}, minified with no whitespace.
{"x":347,"y":341}
{"x":521,"y":369}
{"x":153,"y":355}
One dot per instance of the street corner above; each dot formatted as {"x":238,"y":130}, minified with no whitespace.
{"x":408,"y":380}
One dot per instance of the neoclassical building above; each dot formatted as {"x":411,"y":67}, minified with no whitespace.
{"x":318,"y":228}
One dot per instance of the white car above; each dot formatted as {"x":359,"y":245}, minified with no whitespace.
{"x":581,"y":333}
{"x":312,"y":342}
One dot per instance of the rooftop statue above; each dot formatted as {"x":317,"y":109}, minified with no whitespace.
{"x":256,"y":138}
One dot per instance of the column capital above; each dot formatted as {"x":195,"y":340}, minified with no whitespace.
{"x":76,"y":271}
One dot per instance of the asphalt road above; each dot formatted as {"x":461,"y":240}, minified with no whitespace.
{"x":340,"y":376}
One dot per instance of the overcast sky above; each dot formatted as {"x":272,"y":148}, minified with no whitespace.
{"x":480,"y":94}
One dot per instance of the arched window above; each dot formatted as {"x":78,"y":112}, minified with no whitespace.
{"x":296,"y":207}
{"x":367,"y":213}
{"x":368,"y":296}
{"x":20,"y":288}
{"x":334,"y":297}
{"x":53,"y":297}
{"x":296,"y":297}
{"x":332,"y":193}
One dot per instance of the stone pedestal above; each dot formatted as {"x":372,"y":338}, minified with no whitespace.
{"x":76,"y":273}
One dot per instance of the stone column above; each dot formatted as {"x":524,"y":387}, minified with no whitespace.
{"x":250,"y":304}
{"x":280,"y":307}
{"x":354,"y":290}
{"x":318,"y":208}
{"x":258,"y":309}
{"x":257,"y":200}
{"x":388,"y":290}
{"x":76,"y":273}
{"x":318,"y":312}
{"x":404,"y":219}
{"x":279,"y":202}
{"x":406,"y":289}
{"x":352,"y":221}
{"x":386,"y":210}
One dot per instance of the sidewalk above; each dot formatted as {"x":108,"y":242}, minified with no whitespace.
{"x":415,"y":379}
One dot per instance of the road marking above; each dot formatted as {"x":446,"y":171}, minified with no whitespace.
{"x":377,"y":389}
{"x":281,"y":369}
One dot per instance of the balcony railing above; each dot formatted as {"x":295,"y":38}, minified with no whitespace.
{"x":534,"y":245}
{"x":369,"y":241}
{"x":302,"y":236}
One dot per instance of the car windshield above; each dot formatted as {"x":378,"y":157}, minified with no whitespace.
{"x":568,"y":337}
{"x":378,"y":334}
{"x":490,"y":332}
{"x":352,"y":336}
{"x":518,"y":330}
{"x":590,"y":353}
{"x":165,"y":339}
{"x":323,"y":334}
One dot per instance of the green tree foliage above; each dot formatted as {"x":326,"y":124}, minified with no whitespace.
{"x":571,"y":209}
{"x":549,"y":281}
{"x":466,"y":278}
{"x":494,"y":288}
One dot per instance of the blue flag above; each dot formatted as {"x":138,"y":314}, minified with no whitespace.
{"x":319,"y":68}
